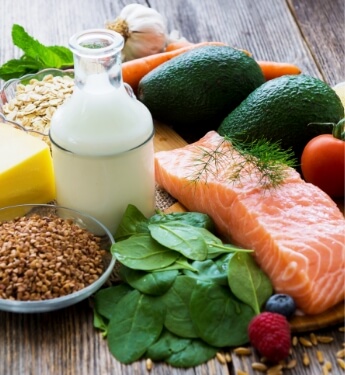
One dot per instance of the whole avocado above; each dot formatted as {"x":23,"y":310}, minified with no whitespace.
{"x":194,"y":91}
{"x":290,"y":110}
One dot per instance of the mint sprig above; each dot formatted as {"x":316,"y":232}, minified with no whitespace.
{"x":36,"y":56}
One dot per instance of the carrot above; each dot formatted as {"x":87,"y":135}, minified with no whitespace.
{"x":178,"y":44}
{"x":273,"y":69}
{"x":185,"y":43}
{"x":134,"y":70}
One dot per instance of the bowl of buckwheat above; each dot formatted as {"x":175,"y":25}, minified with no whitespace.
{"x":51,"y":257}
{"x":30,"y":101}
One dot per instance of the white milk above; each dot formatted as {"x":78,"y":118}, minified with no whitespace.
{"x":102,"y":145}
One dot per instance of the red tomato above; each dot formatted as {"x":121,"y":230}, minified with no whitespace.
{"x":323,"y":164}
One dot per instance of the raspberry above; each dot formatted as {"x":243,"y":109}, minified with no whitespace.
{"x":270,"y":334}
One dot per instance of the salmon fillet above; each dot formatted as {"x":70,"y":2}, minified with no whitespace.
{"x":296,"y":230}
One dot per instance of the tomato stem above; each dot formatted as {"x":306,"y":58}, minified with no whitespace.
{"x":339,"y":130}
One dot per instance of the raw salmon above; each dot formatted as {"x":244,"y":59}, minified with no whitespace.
{"x":296,"y":231}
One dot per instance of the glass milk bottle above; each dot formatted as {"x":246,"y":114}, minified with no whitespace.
{"x":102,"y":136}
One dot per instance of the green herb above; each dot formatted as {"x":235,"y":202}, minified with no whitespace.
{"x":261,"y":158}
{"x":36,"y":56}
{"x":179,"y":300}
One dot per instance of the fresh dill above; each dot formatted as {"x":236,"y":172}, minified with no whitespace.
{"x":265,"y":160}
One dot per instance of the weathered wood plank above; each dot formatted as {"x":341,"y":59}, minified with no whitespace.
{"x":322,"y":26}
{"x":266,"y":28}
{"x":54,"y":22}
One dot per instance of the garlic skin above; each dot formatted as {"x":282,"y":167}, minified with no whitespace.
{"x":143,"y":29}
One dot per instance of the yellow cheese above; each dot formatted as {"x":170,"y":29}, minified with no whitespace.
{"x":26,"y":168}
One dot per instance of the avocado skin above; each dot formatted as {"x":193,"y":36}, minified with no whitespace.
{"x":283,"y":110}
{"x":194,"y":91}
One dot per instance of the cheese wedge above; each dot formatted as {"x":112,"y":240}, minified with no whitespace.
{"x":26,"y":168}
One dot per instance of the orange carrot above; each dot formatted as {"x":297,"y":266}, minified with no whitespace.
{"x":273,"y":69}
{"x":134,"y":70}
{"x":185,"y":43}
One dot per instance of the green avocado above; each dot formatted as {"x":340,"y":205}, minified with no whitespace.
{"x":290,"y":110}
{"x":194,"y":91}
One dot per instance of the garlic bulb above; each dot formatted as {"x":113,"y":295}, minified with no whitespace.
{"x":143,"y":28}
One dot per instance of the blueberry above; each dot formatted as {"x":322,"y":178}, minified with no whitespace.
{"x":282,"y":304}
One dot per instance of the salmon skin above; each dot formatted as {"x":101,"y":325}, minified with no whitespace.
{"x":295,"y":229}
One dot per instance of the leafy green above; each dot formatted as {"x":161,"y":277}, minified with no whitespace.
{"x":166,"y":345}
{"x":184,"y":238}
{"x":180,"y":263}
{"x":143,"y":252}
{"x":184,"y":293}
{"x":136,"y":323}
{"x":248,"y":282}
{"x":105,"y":300}
{"x":219,"y":318}
{"x":209,"y":270}
{"x":36,"y":56}
{"x":153,"y":283}
{"x":196,"y":219}
{"x":132,"y":222}
{"x":194,"y":354}
{"x":177,"y":319}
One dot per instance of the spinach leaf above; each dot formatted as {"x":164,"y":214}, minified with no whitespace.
{"x":196,"y":353}
{"x":195,"y":219}
{"x":136,"y":323}
{"x":181,"y":263}
{"x":219,"y":318}
{"x":106,"y":299}
{"x":208,"y":270}
{"x":215,"y":249}
{"x":248,"y":282}
{"x":153,"y":283}
{"x":166,"y":345}
{"x":132,"y":222}
{"x":100,"y":323}
{"x":186,"y":239}
{"x":143,"y":252}
{"x":177,"y":300}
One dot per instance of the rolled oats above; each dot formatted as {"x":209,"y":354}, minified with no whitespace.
{"x":35,"y":103}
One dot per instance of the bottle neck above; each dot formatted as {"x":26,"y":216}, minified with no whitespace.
{"x":97,"y":59}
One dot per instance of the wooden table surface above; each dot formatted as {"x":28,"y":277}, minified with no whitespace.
{"x":309,"y":33}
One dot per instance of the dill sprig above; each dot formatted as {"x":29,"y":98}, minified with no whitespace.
{"x":265,"y":160}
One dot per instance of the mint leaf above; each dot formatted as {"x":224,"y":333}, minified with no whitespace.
{"x":36,"y":56}
{"x":65,"y":55}
{"x":16,"y":68}
{"x":49,"y":57}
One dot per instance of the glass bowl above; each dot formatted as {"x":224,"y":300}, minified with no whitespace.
{"x":9,"y":90}
{"x":84,"y":222}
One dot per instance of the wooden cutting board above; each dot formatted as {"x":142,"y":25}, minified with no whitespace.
{"x":167,"y":139}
